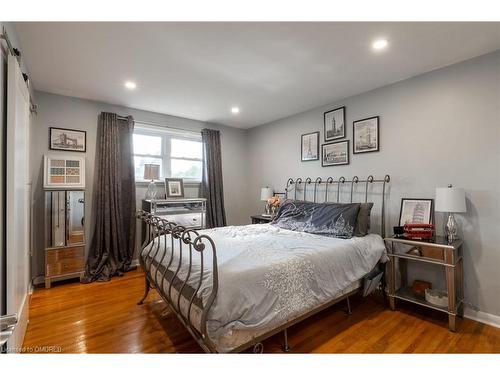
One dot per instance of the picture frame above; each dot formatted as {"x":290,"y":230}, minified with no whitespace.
{"x":334,"y":124}
{"x":336,"y":153}
{"x":174,"y":188}
{"x":365,"y":135}
{"x":62,"y":139}
{"x":309,"y":150}
{"x":63,"y":172}
{"x":416,"y":211}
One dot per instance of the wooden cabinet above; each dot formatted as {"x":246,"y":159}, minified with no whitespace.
{"x":64,"y":235}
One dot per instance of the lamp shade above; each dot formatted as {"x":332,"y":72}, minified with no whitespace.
{"x":450,"y":199}
{"x":151,"y":171}
{"x":266,"y":193}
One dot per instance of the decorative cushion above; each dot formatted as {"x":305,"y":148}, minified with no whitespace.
{"x":362,"y":227}
{"x":328,"y":219}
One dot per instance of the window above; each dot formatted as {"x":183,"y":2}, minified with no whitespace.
{"x":179,"y":153}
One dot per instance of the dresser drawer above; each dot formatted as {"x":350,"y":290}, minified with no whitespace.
{"x":65,"y":266}
{"x":56,"y":255}
{"x":186,"y":220}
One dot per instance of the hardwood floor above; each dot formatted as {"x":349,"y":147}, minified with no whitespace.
{"x":104,"y":318}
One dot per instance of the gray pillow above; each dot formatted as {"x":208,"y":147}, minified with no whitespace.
{"x":327,"y":219}
{"x":362,"y":226}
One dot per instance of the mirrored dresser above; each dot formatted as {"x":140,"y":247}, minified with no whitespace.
{"x":188,"y":212}
{"x":64,"y":235}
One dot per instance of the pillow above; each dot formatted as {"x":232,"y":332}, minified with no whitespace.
{"x":362,"y":226}
{"x":327,"y":219}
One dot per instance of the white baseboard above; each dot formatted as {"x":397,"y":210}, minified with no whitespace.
{"x":480,"y":316}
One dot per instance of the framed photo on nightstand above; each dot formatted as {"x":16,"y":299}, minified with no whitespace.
{"x":416,"y":211}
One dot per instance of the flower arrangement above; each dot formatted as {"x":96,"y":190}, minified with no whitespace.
{"x":273,"y":203}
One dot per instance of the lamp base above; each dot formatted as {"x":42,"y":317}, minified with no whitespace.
{"x":451,"y":229}
{"x":151,"y":192}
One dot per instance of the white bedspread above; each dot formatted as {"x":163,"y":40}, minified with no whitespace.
{"x":268,"y":275}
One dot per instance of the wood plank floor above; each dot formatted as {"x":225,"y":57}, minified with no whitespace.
{"x":104,"y":318}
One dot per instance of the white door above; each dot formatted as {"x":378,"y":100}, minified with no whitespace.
{"x":17,"y":202}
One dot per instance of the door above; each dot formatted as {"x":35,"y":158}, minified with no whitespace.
{"x":17,"y":202}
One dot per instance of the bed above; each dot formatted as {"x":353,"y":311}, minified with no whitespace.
{"x":233,"y":287}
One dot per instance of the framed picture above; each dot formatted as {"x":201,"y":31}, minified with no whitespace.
{"x":67,"y":139}
{"x":310,"y":146}
{"x":335,"y":153}
{"x":365,"y":135}
{"x":416,"y":211}
{"x":174,"y":188}
{"x":63,"y":172}
{"x":334,"y":122}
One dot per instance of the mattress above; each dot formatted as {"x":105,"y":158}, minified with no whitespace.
{"x":266,"y":276}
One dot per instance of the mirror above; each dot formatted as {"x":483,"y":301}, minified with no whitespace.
{"x":65,"y":218}
{"x":75,"y":203}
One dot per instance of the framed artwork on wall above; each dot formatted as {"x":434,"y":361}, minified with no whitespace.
{"x":416,"y":211}
{"x":336,"y":153}
{"x":334,"y":124}
{"x":174,"y":188}
{"x":67,"y":139}
{"x":365,"y":135}
{"x":309,"y":146}
{"x":63,"y":172}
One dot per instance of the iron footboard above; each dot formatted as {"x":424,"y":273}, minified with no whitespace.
{"x":167,"y":259}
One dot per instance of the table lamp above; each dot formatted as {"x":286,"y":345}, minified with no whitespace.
{"x":151,"y":172}
{"x":265,"y":194}
{"x":450,"y":200}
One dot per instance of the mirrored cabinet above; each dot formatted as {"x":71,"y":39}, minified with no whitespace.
{"x":64,"y":235}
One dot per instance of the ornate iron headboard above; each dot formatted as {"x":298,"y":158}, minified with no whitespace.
{"x":300,"y":190}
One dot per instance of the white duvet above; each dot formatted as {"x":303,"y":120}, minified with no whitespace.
{"x":268,"y":275}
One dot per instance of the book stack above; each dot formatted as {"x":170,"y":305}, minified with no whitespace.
{"x":419,"y":231}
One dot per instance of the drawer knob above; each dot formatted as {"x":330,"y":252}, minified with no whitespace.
{"x":415,"y":251}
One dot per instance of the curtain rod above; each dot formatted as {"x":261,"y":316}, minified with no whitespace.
{"x":158,"y":125}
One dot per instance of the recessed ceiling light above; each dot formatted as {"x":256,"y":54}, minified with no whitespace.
{"x":130,"y":85}
{"x":235,"y":110}
{"x":380,"y":44}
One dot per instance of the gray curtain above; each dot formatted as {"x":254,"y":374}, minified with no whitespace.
{"x":211,"y":187}
{"x":113,"y":242}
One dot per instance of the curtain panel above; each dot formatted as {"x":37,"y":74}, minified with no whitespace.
{"x":113,"y":242}
{"x":212,"y":186}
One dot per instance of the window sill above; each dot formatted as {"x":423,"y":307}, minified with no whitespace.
{"x":189,"y":184}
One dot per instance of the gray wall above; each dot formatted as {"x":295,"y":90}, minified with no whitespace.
{"x":438,"y":128}
{"x":67,"y":112}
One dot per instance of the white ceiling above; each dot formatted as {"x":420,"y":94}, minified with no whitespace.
{"x":269,"y":70}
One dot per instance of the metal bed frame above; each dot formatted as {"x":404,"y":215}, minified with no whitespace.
{"x":192,"y":243}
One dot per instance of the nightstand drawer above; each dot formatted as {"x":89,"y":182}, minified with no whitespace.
{"x":421,"y":251}
{"x":430,"y":252}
